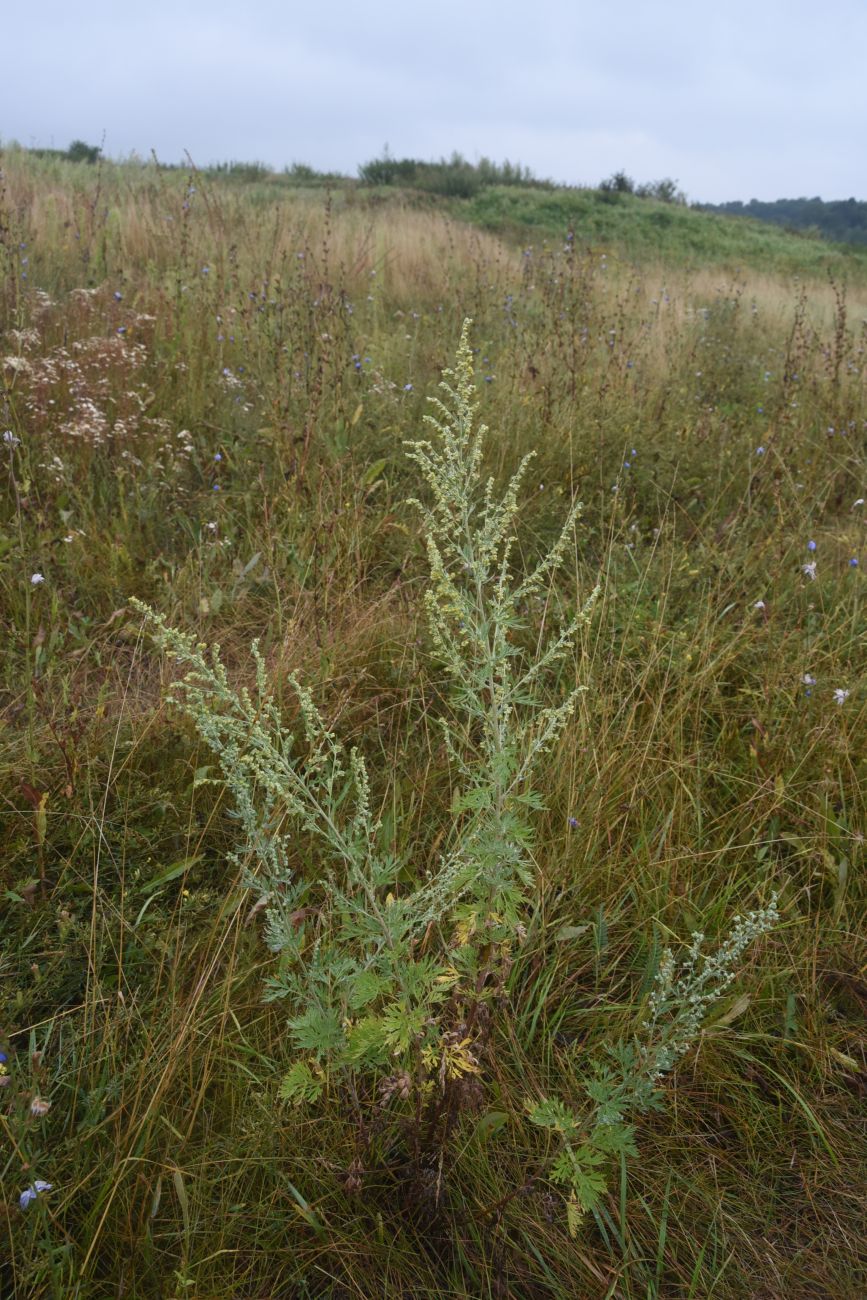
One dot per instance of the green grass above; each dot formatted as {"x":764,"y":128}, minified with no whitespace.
{"x":645,"y":229}
{"x":701,"y":773}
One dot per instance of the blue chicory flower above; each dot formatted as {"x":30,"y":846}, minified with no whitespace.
{"x":30,"y":1193}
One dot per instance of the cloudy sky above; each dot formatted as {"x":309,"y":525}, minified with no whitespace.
{"x":748,"y":98}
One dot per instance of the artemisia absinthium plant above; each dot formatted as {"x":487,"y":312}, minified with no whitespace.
{"x":390,"y":989}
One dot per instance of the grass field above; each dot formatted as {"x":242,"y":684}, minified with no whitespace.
{"x":206,"y":388}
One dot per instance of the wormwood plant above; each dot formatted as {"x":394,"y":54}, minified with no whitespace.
{"x":391,"y":981}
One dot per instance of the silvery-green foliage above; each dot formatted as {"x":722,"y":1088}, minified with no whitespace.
{"x":361,"y":994}
{"x":679,"y":1002}
{"x":500,"y":727}
{"x":683,"y":995}
{"x":365,"y":994}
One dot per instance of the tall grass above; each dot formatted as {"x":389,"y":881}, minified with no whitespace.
{"x":166,"y":335}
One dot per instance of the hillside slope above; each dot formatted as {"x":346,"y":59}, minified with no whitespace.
{"x":643,"y":228}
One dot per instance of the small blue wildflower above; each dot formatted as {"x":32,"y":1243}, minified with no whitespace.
{"x":218,"y":455}
{"x":811,"y":545}
{"x":121,"y":329}
{"x":627,"y":464}
{"x":407,"y":388}
{"x":573,"y":823}
{"x":760,"y":451}
{"x":206,"y":270}
{"x":853,"y":563}
{"x":118,"y":296}
{"x":3,"y":1058}
{"x":761,"y":410}
{"x":216,"y":487}
{"x":30,"y":1193}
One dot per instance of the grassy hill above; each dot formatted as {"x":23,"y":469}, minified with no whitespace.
{"x":206,"y":387}
{"x":643,"y":229}
{"x":639,"y":228}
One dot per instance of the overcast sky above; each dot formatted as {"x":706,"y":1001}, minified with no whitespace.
{"x":739,"y":99}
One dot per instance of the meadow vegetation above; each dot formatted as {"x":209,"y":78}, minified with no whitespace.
{"x":208,"y":385}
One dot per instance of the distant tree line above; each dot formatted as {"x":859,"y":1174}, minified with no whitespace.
{"x":297,"y":174}
{"x":455,"y":177}
{"x":77,"y":152}
{"x":844,"y":220}
{"x":664,"y":191}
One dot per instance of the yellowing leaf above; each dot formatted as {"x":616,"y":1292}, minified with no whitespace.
{"x":574,"y":1216}
{"x":735,"y":1010}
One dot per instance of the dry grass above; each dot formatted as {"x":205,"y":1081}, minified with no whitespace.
{"x":700,"y":773}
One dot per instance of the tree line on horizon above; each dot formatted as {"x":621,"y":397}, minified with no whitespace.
{"x":844,"y":220}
